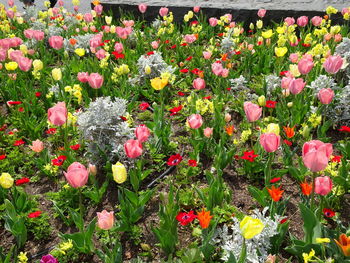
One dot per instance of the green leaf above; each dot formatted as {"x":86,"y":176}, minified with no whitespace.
{"x":312,"y":227}
{"x":258,"y":195}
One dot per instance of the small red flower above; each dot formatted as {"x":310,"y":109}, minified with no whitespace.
{"x":186,"y":218}
{"x":270,"y":104}
{"x":189,"y":58}
{"x":3,"y":127}
{"x":192,"y":163}
{"x":51,"y":131}
{"x":197,"y":71}
{"x":275,"y":180}
{"x":328,"y":212}
{"x":283,"y":220}
{"x":19,"y":142}
{"x":306,"y":45}
{"x":249,"y":156}
{"x":2,"y":157}
{"x":283,"y":73}
{"x":21,"y":181}
{"x":144,"y":106}
{"x":194,"y":22}
{"x":150,"y":53}
{"x":9,"y":103}
{"x":37,"y":94}
{"x":59,"y":160}
{"x":237,"y":52}
{"x":173,"y":46}
{"x":75,"y":147}
{"x":207,"y":98}
{"x":175,"y":110}
{"x":344,"y":129}
{"x":289,"y":143}
{"x":180,"y":93}
{"x":174,"y":159}
{"x":123,"y":118}
{"x":185,"y":70}
{"x":21,"y":109}
{"x":166,"y":41}
{"x":118,"y":55}
{"x":183,"y":44}
{"x":220,"y":34}
{"x":336,"y":158}
{"x":34,"y":214}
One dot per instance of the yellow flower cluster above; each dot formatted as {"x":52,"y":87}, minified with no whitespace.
{"x":75,"y":91}
{"x":63,"y":247}
{"x":315,"y":120}
{"x":307,"y":257}
{"x":22,"y":257}
{"x":204,"y":106}
{"x":188,"y":16}
{"x":52,"y":169}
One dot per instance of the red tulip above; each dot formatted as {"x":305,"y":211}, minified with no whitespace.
{"x":133,"y":148}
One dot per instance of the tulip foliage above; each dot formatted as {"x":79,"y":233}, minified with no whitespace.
{"x":200,"y":141}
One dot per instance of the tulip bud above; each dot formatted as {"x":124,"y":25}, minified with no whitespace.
{"x":251,"y":26}
{"x":262,"y":101}
{"x":208,"y":132}
{"x":228,"y":117}
{"x":148,"y":70}
{"x":119,"y":173}
{"x":290,"y":104}
{"x":92,"y":169}
{"x":285,"y":92}
{"x":306,"y":131}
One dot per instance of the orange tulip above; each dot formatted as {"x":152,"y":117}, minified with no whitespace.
{"x":344,"y":244}
{"x":95,"y":2}
{"x":229,"y":130}
{"x":306,"y":188}
{"x":73,"y":41}
{"x":275,"y":193}
{"x":289,"y":131}
{"x":204,"y":218}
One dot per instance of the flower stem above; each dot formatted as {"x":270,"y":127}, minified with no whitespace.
{"x":81,"y":208}
{"x":313,"y":191}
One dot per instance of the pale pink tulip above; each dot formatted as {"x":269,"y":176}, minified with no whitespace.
{"x":208,"y":132}
{"x":316,"y":155}
{"x":323,"y":185}
{"x":95,"y":80}
{"x":83,"y":77}
{"x":333,"y":64}
{"x":142,"y":8}
{"x":252,"y":111}
{"x":296,"y":86}
{"x":325,"y":95}
{"x":25,"y":64}
{"x":195,"y":121}
{"x":270,"y":141}
{"x":142,"y":133}
{"x":261,"y":13}
{"x":77,"y":175}
{"x":37,"y":146}
{"x":163,"y":11}
{"x":105,"y":220}
{"x":56,"y":42}
{"x":57,"y":115}
{"x":302,"y":21}
{"x":316,"y":20}
{"x":305,"y":65}
{"x":213,"y":21}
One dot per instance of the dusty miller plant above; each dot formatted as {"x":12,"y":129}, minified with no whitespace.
{"x":104,"y":130}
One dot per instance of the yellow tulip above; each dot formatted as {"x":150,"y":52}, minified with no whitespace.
{"x":262,"y":101}
{"x":38,"y":65}
{"x":80,"y":52}
{"x":293,"y":68}
{"x":148,"y":70}
{"x":280,"y":51}
{"x":11,"y":65}
{"x":6,"y":181}
{"x":250,"y":227}
{"x":158,"y":83}
{"x":259,"y":24}
{"x":24,"y":49}
{"x":119,"y":173}
{"x":113,"y":29}
{"x":56,"y":74}
{"x":273,"y":128}
{"x":267,"y":34}
{"x":108,"y":20}
{"x":331,"y":10}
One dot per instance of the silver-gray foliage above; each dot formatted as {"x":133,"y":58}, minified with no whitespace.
{"x":339,"y":114}
{"x":103,"y":129}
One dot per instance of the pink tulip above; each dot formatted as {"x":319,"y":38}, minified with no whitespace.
{"x":163,"y":11}
{"x":333,"y":64}
{"x":83,"y":77}
{"x":37,"y":146}
{"x":208,"y":132}
{"x":142,"y":8}
{"x":252,"y":111}
{"x":76,"y":8}
{"x":338,"y":38}
{"x":118,"y":47}
{"x":101,"y":54}
{"x":56,"y":42}
{"x":316,"y":20}
{"x":60,"y":3}
{"x":213,"y":21}
{"x":128,"y":23}
{"x":302,"y":21}
{"x":198,"y":83}
{"x":229,"y":17}
{"x":206,"y":54}
{"x":305,"y":66}
{"x":3,"y":54}
{"x":196,"y":9}
{"x":85,"y":28}
{"x":296,"y":86}
{"x":224,"y":73}
{"x":286,"y":82}
{"x":10,"y":14}
{"x":133,"y":148}
{"x":105,"y":220}
{"x":98,"y":9}
{"x":11,"y":3}
{"x":15,"y":41}
{"x":316,"y":155}
{"x":123,"y":32}
{"x":16,"y":55}
{"x":155,"y":44}
{"x":261,"y":13}
{"x":95,"y":80}
{"x":323,"y":185}
{"x":270,"y":141}
{"x":28,"y":33}
{"x":88,"y":17}
{"x":325,"y":95}
{"x":217,"y":68}
{"x":190,"y":38}
{"x":142,"y":133}
{"x":195,"y":121}
{"x":77,"y":175}
{"x":25,"y":64}
{"x":57,"y":115}
{"x":289,"y":21}
{"x":294,"y":57}
{"x":38,"y":35}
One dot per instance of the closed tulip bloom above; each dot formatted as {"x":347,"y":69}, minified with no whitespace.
{"x":289,"y":21}
{"x":83,"y":77}
{"x":261,"y":13}
{"x":206,"y":54}
{"x":142,"y":8}
{"x":217,"y":68}
{"x":213,"y":21}
{"x":302,"y":21}
{"x":305,"y":66}
{"x":252,"y":111}
{"x":163,"y":11}
{"x":155,"y":44}
{"x":6,"y":180}
{"x":133,"y":148}
{"x":316,"y":155}
{"x":323,"y":185}
{"x":196,"y":9}
{"x":198,"y":83}
{"x":37,"y":146}
{"x":95,"y":80}
{"x":270,"y":141}
{"x":77,"y":175}
{"x":333,"y":64}
{"x":294,"y":57}
{"x":56,"y":42}
{"x":57,"y":115}
{"x":56,"y":74}
{"x":25,"y":64}
{"x":296,"y":86}
{"x":105,"y":220}
{"x":325,"y":95}
{"x":92,"y":169}
{"x":316,"y":20}
{"x":195,"y":121}
{"x":101,"y":54}
{"x":119,"y":173}
{"x":142,"y":133}
{"x":208,"y":132}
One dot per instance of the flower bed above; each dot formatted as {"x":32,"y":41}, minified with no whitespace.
{"x":199,"y":141}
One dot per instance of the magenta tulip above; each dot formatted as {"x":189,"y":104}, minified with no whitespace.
{"x":133,"y":148}
{"x":142,"y":133}
{"x":56,"y":42}
{"x":195,"y":121}
{"x":316,"y":155}
{"x":333,"y":64}
{"x":77,"y":175}
{"x":95,"y":80}
{"x":305,"y":66}
{"x":296,"y":86}
{"x":270,"y":141}
{"x":325,"y":95}
{"x":252,"y":111}
{"x":323,"y":185}
{"x":105,"y":220}
{"x":198,"y":83}
{"x":57,"y":115}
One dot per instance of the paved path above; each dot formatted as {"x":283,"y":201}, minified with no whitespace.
{"x":84,"y":5}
